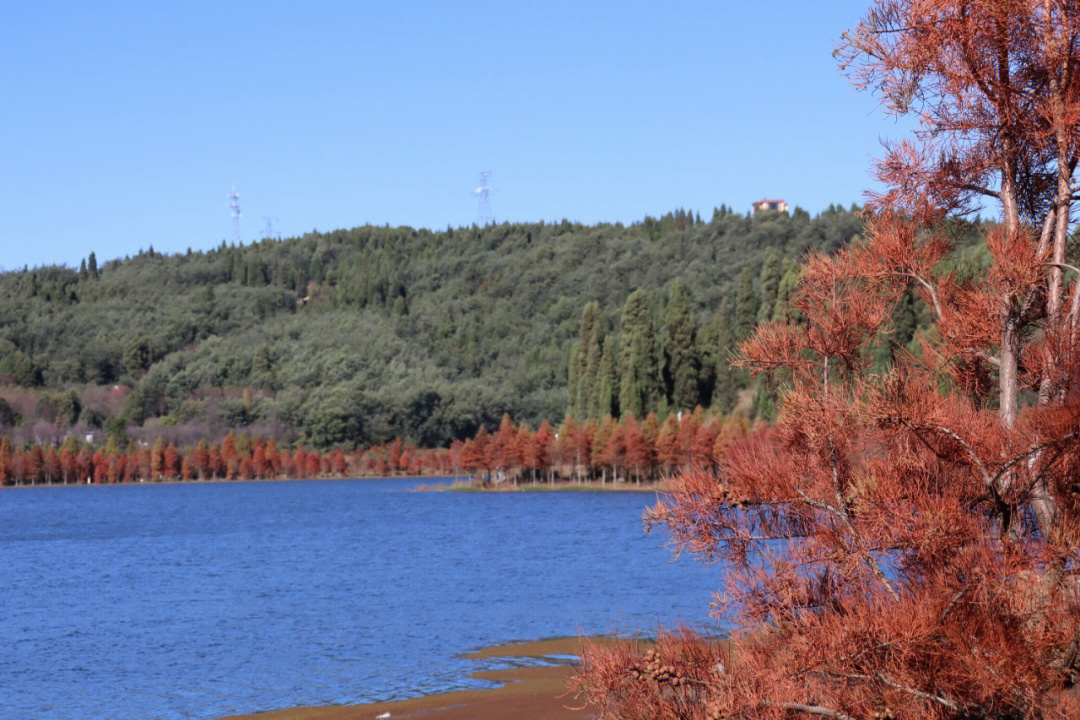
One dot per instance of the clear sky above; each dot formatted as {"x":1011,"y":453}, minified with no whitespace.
{"x":124,"y":125}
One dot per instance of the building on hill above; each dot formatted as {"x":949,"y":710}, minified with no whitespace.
{"x":766,"y":204}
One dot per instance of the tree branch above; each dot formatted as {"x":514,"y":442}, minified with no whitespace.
{"x":870,"y":560}
{"x":810,"y":710}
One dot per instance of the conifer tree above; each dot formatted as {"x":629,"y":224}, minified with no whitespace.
{"x":770,"y":285}
{"x":782,"y":310}
{"x":593,"y":363}
{"x":746,"y":307}
{"x":680,"y":349}
{"x":582,"y":380}
{"x":607,"y":384}
{"x":638,"y":364}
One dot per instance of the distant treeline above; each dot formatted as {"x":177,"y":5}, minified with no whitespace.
{"x":356,"y":337}
{"x":608,"y":450}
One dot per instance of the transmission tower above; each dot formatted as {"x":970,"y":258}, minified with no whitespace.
{"x":234,"y":210}
{"x":483,"y":212}
{"x":270,"y":232}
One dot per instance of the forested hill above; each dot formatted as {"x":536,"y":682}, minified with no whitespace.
{"x":358,"y":335}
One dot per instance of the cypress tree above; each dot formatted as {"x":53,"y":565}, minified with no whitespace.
{"x":770,"y":284}
{"x":593,"y":370}
{"x":680,"y":350}
{"x":784,"y":291}
{"x":746,"y":307}
{"x":574,"y":379}
{"x":583,"y":384}
{"x":639,"y":368}
{"x":607,"y":383}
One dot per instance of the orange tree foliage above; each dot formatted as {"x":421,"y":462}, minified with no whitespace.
{"x":904,"y":544}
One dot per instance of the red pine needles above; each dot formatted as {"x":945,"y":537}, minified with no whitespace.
{"x":905,"y":544}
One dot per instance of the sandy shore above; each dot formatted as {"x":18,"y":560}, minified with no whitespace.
{"x":506,"y":487}
{"x":526,"y":693}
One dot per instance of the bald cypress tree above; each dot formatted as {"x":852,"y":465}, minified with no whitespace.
{"x":680,"y":349}
{"x":639,"y":366}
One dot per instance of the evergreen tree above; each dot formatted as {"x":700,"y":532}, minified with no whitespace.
{"x":607,"y":384}
{"x":574,"y":379}
{"x":91,"y":265}
{"x":784,"y":291}
{"x":593,"y":369}
{"x":639,"y":369}
{"x":746,"y":307}
{"x":680,"y":349}
{"x":583,"y":377}
{"x":770,"y":282}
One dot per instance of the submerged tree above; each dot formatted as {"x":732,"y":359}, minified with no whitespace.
{"x":904,"y":544}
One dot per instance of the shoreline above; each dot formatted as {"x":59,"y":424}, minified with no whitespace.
{"x":223,"y":481}
{"x":537,"y":692}
{"x":472,"y":486}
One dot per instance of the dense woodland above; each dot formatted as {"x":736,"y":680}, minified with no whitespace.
{"x":356,"y":337}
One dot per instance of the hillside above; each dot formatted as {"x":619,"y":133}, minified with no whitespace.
{"x":363,"y":334}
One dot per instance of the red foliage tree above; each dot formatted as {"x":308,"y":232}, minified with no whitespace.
{"x":7,"y":473}
{"x":313,"y":465}
{"x":504,"y":444}
{"x":84,"y":462}
{"x":215,"y":462}
{"x":200,"y":459}
{"x":543,"y":441}
{"x":34,"y":464}
{"x":258,"y":458}
{"x":171,"y":462}
{"x":53,"y":473}
{"x":115,"y":471}
{"x":273,"y":458}
{"x":906,"y":544}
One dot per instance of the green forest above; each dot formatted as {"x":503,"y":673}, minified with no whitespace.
{"x":358,"y":336}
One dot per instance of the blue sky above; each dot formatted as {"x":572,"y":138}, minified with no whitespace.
{"x":124,"y":125}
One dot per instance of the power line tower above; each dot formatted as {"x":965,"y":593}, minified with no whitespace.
{"x":270,"y":232}
{"x":234,"y":210}
{"x":483,"y":212}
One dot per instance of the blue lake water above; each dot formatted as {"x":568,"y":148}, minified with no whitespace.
{"x":202,"y":600}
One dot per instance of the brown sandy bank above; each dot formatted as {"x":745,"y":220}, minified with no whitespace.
{"x":559,"y":486}
{"x":526,"y":693}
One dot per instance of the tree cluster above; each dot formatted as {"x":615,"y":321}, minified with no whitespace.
{"x":236,"y":457}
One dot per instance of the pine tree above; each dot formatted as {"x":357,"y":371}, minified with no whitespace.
{"x":680,"y":349}
{"x":639,"y":368}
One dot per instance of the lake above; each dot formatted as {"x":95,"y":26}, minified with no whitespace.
{"x":201,"y":600}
